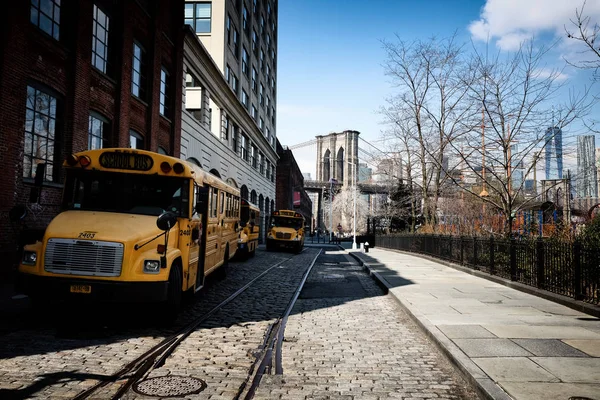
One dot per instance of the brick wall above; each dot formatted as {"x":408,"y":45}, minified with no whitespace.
{"x":30,"y":56}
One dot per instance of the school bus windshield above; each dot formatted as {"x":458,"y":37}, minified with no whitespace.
{"x":126,"y":193}
{"x":283,"y":222}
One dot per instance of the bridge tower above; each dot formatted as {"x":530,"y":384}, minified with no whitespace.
{"x":337,"y":157}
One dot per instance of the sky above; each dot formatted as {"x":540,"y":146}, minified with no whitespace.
{"x":330,"y":74}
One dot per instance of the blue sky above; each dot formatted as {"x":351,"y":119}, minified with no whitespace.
{"x":330,"y":74}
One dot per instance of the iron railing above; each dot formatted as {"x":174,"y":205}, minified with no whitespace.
{"x":563,"y":268}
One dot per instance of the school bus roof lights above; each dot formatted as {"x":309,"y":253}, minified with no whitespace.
{"x":73,"y":160}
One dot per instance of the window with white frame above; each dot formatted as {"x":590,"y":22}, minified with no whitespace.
{"x":261,"y":123}
{"x":254,"y":156}
{"x":100,"y":40}
{"x":261,"y":163}
{"x":164,"y":97}
{"x":97,"y":131}
{"x":41,"y":133}
{"x":244,"y":146}
{"x":245,"y":68}
{"x":198,"y":16}
{"x":138,"y":77}
{"x":245,"y":98}
{"x":45,"y":14}
{"x":253,"y":112}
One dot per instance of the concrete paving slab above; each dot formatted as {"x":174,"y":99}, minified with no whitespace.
{"x":491,"y":348}
{"x":514,"y":369}
{"x":465,"y":331}
{"x":589,"y":347}
{"x":541,"y":332}
{"x":469,"y":319}
{"x":550,"y":391}
{"x":569,"y":369}
{"x":549,"y":348}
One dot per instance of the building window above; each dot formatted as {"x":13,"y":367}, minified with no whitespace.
{"x":244,"y":146}
{"x":273,"y":84}
{"x":267,"y":105}
{"x":245,"y":98}
{"x":261,"y":97}
{"x":254,"y":157}
{"x":228,"y":74}
{"x":245,"y":24}
{"x":136,"y":141}
{"x":235,"y":139}
{"x":272,"y":173}
{"x":97,"y":131}
{"x":254,"y":6}
{"x":164,"y":93}
{"x":235,"y":83}
{"x":245,"y":68}
{"x":138,"y":76}
{"x":228,"y":24}
{"x":261,"y":124}
{"x":261,"y":163}
{"x":268,"y":169}
{"x":268,"y":41}
{"x":262,"y":25}
{"x":236,"y":42}
{"x":254,"y":78}
{"x":262,"y":60}
{"x":226,"y":127}
{"x":254,"y":42}
{"x":45,"y":14}
{"x":40,"y":133}
{"x":100,"y":40}
{"x":161,"y":150}
{"x":253,"y":113}
{"x":197,"y":15}
{"x":268,"y":73}
{"x":268,"y":135}
{"x":191,"y":80}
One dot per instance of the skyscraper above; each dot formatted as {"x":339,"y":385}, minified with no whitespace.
{"x":586,"y":167}
{"x":554,"y":159}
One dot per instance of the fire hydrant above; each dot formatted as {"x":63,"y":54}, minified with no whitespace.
{"x":366,"y":247}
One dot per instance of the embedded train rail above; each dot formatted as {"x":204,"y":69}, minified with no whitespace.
{"x":268,"y":358}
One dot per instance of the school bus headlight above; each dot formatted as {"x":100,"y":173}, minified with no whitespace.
{"x":270,"y":235}
{"x":152,"y":266}
{"x":29,"y":257}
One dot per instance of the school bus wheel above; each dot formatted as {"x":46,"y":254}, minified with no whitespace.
{"x":173,"y":303}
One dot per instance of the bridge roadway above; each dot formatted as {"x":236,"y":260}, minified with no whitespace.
{"x":363,"y":187}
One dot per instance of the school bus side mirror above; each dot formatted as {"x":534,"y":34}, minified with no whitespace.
{"x":166,"y":221}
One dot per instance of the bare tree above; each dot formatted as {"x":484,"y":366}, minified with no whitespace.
{"x":587,"y":33}
{"x":516,"y":97}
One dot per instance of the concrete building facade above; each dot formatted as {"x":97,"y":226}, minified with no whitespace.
{"x":78,"y":75}
{"x":219,"y":134}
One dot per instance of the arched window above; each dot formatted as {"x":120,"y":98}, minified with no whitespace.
{"x":194,"y":161}
{"x":253,"y":197}
{"x":161,"y":150}
{"x":267,"y":208}
{"x":261,"y":203}
{"x":136,"y":141}
{"x":244,"y":192}
{"x":97,"y":131}
{"x":340,"y":165}
{"x":215,"y":172}
{"x":326,"y":166}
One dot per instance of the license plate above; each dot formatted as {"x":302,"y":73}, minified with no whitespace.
{"x":81,"y":289}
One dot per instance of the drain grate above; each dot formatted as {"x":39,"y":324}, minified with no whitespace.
{"x":170,"y":386}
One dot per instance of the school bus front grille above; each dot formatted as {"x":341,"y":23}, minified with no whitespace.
{"x":83,"y":257}
{"x":281,"y":235}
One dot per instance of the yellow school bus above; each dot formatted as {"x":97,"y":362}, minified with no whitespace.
{"x":250,"y":223}
{"x":135,"y":226}
{"x":286,"y":230}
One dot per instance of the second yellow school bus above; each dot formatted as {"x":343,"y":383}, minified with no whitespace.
{"x":250,"y":223}
{"x":136,"y":226}
{"x":286,"y":230}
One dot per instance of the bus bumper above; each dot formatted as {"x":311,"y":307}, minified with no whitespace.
{"x":43,"y":287}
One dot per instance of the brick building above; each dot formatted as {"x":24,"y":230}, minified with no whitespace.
{"x":76,"y":75}
{"x":289,"y":181}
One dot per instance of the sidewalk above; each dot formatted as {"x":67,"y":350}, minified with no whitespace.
{"x":509,"y":344}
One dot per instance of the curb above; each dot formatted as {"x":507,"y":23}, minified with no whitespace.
{"x":482,"y":383}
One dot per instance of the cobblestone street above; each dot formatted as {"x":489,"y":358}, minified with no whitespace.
{"x":344,"y":339}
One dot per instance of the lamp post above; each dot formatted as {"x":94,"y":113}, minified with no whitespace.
{"x":354,"y":219}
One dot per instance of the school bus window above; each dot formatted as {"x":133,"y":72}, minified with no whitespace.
{"x":222,"y":202}
{"x":215,"y":203}
{"x":126,"y":193}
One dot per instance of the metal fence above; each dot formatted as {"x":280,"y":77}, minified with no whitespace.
{"x":563,"y":268}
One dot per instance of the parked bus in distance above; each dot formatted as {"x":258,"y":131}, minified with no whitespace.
{"x":250,"y":223}
{"x":286,"y":230}
{"x":106,"y":244}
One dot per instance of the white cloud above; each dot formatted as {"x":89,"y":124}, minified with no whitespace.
{"x":510,"y":22}
{"x":543,"y":73}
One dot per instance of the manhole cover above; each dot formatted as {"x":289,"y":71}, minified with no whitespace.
{"x":170,"y":386}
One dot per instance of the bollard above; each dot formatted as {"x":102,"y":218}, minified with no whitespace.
{"x":366,"y":247}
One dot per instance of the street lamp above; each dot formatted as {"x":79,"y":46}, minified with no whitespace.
{"x":354,"y":219}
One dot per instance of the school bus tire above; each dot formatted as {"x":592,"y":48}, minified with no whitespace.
{"x":170,"y":308}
